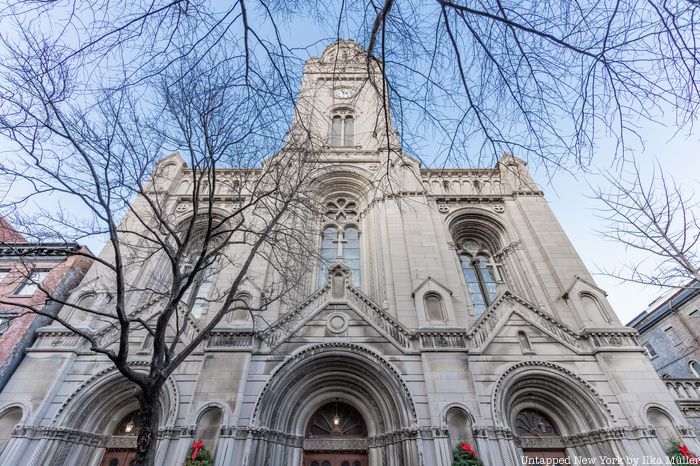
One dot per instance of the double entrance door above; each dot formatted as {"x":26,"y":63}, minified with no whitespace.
{"x":335,"y":459}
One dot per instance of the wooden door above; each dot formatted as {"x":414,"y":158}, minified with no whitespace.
{"x":118,"y":457}
{"x":335,"y":459}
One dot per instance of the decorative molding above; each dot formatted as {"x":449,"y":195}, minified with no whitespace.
{"x":52,"y":340}
{"x":226,"y":340}
{"x":443,"y":340}
{"x":504,"y":305}
{"x":288,"y":367}
{"x":38,"y":249}
{"x":379,"y":319}
{"x":575,"y":380}
{"x":613,"y":340}
{"x":334,"y":444}
{"x":170,"y":383}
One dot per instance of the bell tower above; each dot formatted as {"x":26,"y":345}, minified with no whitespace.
{"x":341,"y":102}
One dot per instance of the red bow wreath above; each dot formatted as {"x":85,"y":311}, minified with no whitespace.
{"x":467,"y":447}
{"x":685,"y":452}
{"x":196,"y":446}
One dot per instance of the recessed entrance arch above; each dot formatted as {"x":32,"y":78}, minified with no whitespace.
{"x":355,"y":378}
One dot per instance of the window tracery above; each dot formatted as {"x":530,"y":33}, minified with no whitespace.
{"x":534,"y":424}
{"x":336,"y":420}
{"x":341,"y":240}
{"x":341,"y":209}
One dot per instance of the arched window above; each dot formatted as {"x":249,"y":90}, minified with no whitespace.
{"x":459,"y":427}
{"x":336,"y":131}
{"x":341,"y":241}
{"x":480,"y":276}
{"x":433,"y":307}
{"x":8,"y":421}
{"x":478,"y":237}
{"x":197,"y":296}
{"x":241,"y":307}
{"x":329,"y":250}
{"x":694,"y":368}
{"x":342,"y":131}
{"x":208,"y":428}
{"x":525,"y":345}
{"x":665,"y":428}
{"x":348,"y":131}
{"x":86,"y":301}
{"x":351,"y":253}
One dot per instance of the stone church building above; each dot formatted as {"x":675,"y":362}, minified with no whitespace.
{"x":456,"y":309}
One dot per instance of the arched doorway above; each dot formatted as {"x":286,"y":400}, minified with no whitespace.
{"x":126,"y":433}
{"x":334,"y":437}
{"x":553,"y":413}
{"x":319,"y":376}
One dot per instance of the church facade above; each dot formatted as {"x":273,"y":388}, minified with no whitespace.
{"x":452,"y":308}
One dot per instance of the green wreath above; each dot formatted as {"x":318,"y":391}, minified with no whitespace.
{"x":202,"y":458}
{"x":465,"y":455}
{"x":679,"y":454}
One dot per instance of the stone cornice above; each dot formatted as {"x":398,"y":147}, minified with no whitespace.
{"x":38,"y":249}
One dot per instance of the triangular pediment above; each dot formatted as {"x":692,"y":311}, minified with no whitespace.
{"x":341,"y":297}
{"x":581,"y":283}
{"x":508,"y":307}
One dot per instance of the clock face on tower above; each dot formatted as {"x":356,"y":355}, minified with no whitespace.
{"x":343,"y":93}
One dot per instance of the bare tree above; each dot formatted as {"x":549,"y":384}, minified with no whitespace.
{"x":468,"y":80}
{"x":77,"y":99}
{"x":163,"y":241}
{"x":656,"y":218}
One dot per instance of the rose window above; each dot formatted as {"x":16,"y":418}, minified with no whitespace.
{"x":341,"y":210}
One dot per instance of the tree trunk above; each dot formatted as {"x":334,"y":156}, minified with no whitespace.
{"x":148,"y":417}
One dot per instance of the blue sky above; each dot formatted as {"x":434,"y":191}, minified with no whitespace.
{"x":680,"y":157}
{"x":679,"y":154}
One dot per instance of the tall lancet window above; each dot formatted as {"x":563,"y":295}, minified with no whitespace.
{"x":341,"y":240}
{"x":197,"y":296}
{"x":336,"y":131}
{"x":342,"y":131}
{"x":479,"y":274}
{"x":329,"y":250}
{"x":348,"y":131}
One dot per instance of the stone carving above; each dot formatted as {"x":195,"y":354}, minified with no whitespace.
{"x":183,"y":207}
{"x":499,"y":208}
{"x":221,"y":340}
{"x":484,"y":328}
{"x":337,"y":323}
{"x":443,"y":208}
{"x":375,"y":315}
{"x":442,"y":340}
{"x":57,"y":341}
{"x":335,"y":444}
{"x":575,"y":379}
{"x":613,"y":339}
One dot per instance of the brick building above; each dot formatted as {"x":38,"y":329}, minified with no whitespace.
{"x":670,"y":331}
{"x":24,"y":267}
